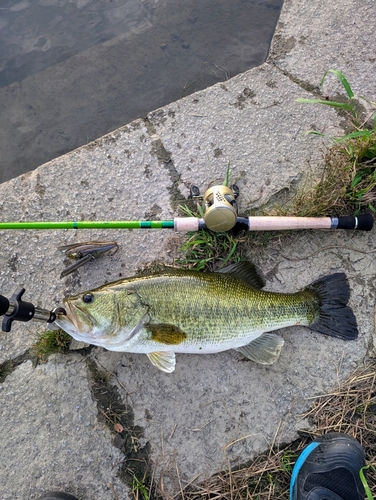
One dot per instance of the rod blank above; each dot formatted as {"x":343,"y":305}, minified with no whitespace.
{"x":113,"y":224}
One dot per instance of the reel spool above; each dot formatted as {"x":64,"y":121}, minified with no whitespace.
{"x":221,"y":208}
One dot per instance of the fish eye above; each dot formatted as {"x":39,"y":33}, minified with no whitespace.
{"x":88,"y":297}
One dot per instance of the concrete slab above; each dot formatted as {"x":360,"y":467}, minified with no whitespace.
{"x":214,"y":410}
{"x":313,"y":37}
{"x":51,"y":439}
{"x":256,"y":127}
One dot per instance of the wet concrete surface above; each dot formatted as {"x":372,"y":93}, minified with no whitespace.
{"x":60,"y":92}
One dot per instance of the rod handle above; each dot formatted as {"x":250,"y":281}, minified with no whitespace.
{"x":362,"y":222}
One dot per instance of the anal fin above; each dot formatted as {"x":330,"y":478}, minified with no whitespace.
{"x":164,"y":360}
{"x":264,"y":350}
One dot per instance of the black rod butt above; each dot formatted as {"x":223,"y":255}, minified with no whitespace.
{"x":363,"y":222}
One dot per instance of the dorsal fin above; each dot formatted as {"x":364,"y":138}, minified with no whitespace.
{"x":155,"y":268}
{"x":245,"y":271}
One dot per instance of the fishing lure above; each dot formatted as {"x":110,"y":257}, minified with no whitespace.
{"x":84,"y":252}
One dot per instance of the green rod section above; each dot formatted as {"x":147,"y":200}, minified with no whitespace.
{"x":112,"y":224}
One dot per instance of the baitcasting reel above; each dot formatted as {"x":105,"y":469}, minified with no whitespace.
{"x":221,"y":210}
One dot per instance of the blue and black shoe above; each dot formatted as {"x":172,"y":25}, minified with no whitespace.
{"x":328,"y":469}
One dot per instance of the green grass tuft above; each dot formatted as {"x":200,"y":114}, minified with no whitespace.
{"x":139,"y":489}
{"x":50,"y":342}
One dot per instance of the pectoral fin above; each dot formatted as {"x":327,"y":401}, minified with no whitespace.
{"x":165,"y":361}
{"x":165,"y":333}
{"x":263,"y":350}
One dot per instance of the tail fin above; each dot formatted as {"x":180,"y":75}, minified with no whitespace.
{"x":336,"y":318}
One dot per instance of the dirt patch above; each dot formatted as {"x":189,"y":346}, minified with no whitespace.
{"x":281,"y":46}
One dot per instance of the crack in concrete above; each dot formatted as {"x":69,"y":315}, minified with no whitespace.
{"x":137,"y":465}
{"x":119,"y":418}
{"x":164,"y":156}
{"x":309,"y":87}
{"x":8,"y":367}
{"x":345,"y":124}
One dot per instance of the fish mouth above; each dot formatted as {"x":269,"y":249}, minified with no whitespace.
{"x":60,"y":311}
{"x":73,"y":318}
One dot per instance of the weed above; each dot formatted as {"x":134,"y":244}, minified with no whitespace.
{"x":208,"y":250}
{"x":138,"y":488}
{"x":367,"y":489}
{"x":350,"y":107}
{"x":50,"y":342}
{"x":288,"y":460}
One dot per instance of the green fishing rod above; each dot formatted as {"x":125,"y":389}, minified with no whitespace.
{"x":221,"y":214}
{"x":361,"y":222}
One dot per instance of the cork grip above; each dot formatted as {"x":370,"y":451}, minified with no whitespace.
{"x":283,"y":223}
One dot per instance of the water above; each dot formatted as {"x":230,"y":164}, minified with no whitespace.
{"x":73,"y":70}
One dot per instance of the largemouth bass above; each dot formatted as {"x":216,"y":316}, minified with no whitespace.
{"x":181,"y":311}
